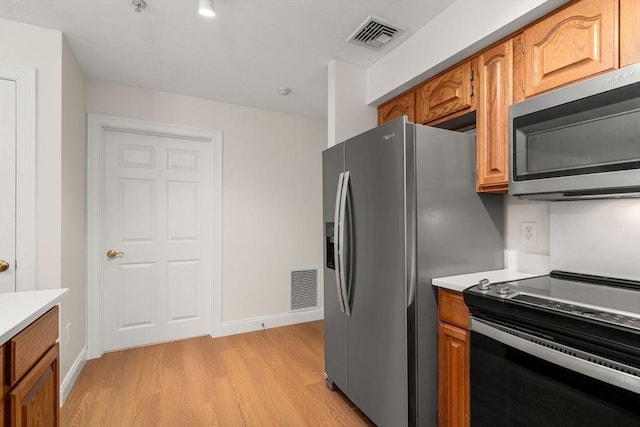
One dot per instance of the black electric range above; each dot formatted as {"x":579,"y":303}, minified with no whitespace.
{"x":593,"y":313}
{"x":555,"y":350}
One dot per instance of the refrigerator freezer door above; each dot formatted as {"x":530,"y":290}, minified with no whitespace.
{"x":377,"y":329}
{"x":335,"y":339}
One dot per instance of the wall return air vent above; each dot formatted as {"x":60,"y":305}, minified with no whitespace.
{"x":304,"y":289}
{"x":374,"y":32}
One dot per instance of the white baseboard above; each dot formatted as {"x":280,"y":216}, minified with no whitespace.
{"x":72,"y":375}
{"x":274,"y":321}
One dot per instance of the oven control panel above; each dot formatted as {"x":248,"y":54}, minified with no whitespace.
{"x":578,"y":310}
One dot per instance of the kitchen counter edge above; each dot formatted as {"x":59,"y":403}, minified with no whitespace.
{"x":463,"y":281}
{"x":19,"y":309}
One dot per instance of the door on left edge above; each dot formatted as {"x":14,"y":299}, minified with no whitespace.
{"x":8,"y":185}
{"x":158,"y":216}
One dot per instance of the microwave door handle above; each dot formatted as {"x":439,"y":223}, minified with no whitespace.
{"x":336,"y":239}
{"x":349,"y":246}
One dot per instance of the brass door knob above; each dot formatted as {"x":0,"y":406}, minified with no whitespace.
{"x":4,"y":265}
{"x":112,"y":254}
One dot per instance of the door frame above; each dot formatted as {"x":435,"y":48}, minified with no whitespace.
{"x":26,"y":161}
{"x":96,"y":126}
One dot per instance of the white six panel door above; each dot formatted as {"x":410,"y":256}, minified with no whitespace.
{"x":157,"y":210}
{"x":8,"y":182}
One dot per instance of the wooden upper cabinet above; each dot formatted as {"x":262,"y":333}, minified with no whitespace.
{"x":629,"y":32}
{"x":444,"y":95}
{"x":573,"y":43}
{"x":492,"y":115}
{"x":405,"y":105}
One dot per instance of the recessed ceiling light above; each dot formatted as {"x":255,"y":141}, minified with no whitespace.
{"x":205,"y":8}
{"x":284,"y":91}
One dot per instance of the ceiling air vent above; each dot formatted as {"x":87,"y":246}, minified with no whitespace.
{"x":374,"y":32}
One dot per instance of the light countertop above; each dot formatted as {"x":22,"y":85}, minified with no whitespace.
{"x":461,"y":282}
{"x":19,"y":309}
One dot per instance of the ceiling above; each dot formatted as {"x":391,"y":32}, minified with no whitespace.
{"x":242,"y":56}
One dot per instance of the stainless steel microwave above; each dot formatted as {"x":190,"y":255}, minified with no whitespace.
{"x":580,"y":141}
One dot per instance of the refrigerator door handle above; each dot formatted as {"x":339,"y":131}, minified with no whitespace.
{"x":348,"y":247}
{"x":411,"y":294}
{"x":336,"y":237}
{"x":341,"y":261}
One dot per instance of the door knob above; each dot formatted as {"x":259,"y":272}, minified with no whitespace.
{"x":4,"y":265}
{"x":112,"y":254}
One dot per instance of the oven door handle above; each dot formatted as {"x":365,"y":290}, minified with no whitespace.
{"x":558,"y":354}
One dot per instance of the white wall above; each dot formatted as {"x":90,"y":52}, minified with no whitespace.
{"x":74,"y":219}
{"x":271,"y":189}
{"x":462,"y":29}
{"x":348,"y":99}
{"x":59,"y":194}
{"x":600,"y":237}
{"x":40,"y":48}
{"x":526,"y":256}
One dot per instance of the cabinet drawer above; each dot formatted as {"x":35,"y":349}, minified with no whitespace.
{"x":452,"y":309}
{"x":26,"y":348}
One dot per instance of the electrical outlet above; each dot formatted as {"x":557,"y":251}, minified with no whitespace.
{"x":68,"y":332}
{"x":529,"y":233}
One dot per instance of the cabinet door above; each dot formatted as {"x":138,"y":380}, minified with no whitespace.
{"x":2,"y":387}
{"x":494,"y":97}
{"x":34,"y":400}
{"x":405,"y":105}
{"x":453,"y":376}
{"x":444,"y":95}
{"x":574,"y":43}
{"x":629,"y":34}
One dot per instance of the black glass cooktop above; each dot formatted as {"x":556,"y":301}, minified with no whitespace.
{"x":602,"y":299}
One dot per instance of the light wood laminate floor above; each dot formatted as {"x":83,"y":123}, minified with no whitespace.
{"x":266,"y":378}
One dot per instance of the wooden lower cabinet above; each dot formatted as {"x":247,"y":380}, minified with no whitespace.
{"x":34,"y":401}
{"x":453,"y":376}
{"x":31,"y":384}
{"x":453,"y":360}
{"x":3,"y":388}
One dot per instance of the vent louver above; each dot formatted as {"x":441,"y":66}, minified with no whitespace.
{"x":374,"y":32}
{"x":304,"y":289}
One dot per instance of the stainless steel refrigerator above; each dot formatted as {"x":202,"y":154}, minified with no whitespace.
{"x":400,"y":208}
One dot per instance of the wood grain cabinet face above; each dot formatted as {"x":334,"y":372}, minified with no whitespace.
{"x":34,"y":400}
{"x":31,"y":382}
{"x":445,"y":95}
{"x":31,"y":343}
{"x":576,"y":42}
{"x":2,"y":388}
{"x":629,"y":32}
{"x":453,"y":360}
{"x":405,"y":105}
{"x":495,"y":94}
{"x":453,"y":376}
